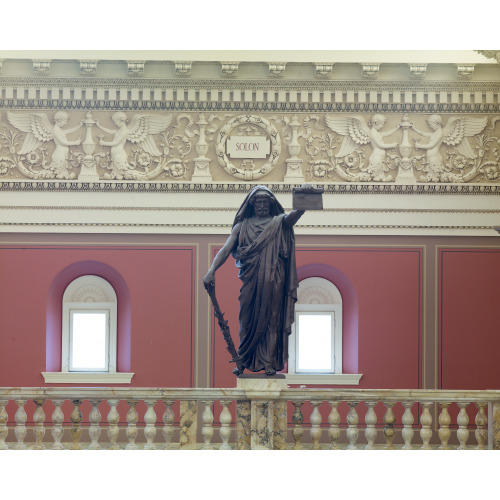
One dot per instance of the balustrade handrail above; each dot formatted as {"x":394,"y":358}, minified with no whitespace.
{"x":262,"y":417}
{"x":225,"y":394}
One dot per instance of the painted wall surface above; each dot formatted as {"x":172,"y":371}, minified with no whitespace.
{"x":173,"y":340}
{"x":387,"y":284}
{"x":159,"y":282}
{"x":469,"y":331}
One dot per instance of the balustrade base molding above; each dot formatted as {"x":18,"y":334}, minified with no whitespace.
{"x":261,"y":420}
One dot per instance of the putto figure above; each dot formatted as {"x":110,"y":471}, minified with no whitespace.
{"x":356,"y":133}
{"x":140,"y":131}
{"x":39,"y":130}
{"x":262,"y":242}
{"x":454,"y":133}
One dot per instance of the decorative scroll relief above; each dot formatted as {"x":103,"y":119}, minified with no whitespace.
{"x":245,"y":132}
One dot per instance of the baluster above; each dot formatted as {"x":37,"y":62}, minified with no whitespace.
{"x":57,"y":427}
{"x":225,"y":420}
{"x":315,"y":424}
{"x":462,"y":421}
{"x":39,"y":419}
{"x":352,"y":425}
{"x":207,"y":431}
{"x":444,"y":426}
{"x":389,"y":431}
{"x":150,"y":429}
{"x":76,"y":420}
{"x":408,"y":431}
{"x":132,"y":431}
{"x":426,"y":421}
{"x":113,"y":419}
{"x":188,"y":424}
{"x":481,"y":427}
{"x":297,"y":420}
{"x":168,"y":424}
{"x":370,"y":420}
{"x":4,"y":417}
{"x":20,"y":430}
{"x":95,"y":419}
{"x":334,"y":421}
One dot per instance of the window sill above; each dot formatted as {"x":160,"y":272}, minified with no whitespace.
{"x":324,"y":379}
{"x":87,"y":378}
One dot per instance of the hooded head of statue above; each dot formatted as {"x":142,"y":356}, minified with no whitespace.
{"x":246,"y":209}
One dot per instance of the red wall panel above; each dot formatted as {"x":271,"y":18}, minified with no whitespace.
{"x":160,"y":281}
{"x":469,"y":334}
{"x":387,"y":283}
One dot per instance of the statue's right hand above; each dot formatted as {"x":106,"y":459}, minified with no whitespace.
{"x":208,"y":280}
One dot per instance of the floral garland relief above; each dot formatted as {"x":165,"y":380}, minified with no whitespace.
{"x":335,"y":147}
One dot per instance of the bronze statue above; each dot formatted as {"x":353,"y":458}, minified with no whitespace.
{"x":262,"y":243}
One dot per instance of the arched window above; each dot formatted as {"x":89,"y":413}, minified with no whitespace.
{"x":89,"y":326}
{"x":315,"y":345}
{"x":89,"y":340}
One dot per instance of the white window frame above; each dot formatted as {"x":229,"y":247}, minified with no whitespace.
{"x":88,"y":294}
{"x":318,"y":295}
{"x":82,"y":308}
{"x":335,"y":311}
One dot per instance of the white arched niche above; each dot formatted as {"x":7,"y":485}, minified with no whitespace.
{"x":315,"y":344}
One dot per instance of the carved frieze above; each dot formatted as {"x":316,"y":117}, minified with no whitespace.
{"x":332,"y":148}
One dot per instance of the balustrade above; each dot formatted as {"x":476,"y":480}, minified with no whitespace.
{"x":225,"y":419}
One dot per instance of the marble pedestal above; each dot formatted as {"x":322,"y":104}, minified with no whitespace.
{"x":261,"y":421}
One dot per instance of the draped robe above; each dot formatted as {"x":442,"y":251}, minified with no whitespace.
{"x":265,"y":256}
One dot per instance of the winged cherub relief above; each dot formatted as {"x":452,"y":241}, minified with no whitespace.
{"x":141,"y":131}
{"x":39,"y":129}
{"x":356,"y":133}
{"x":454,"y":133}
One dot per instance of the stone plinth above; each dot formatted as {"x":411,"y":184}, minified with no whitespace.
{"x":261,"y":422}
